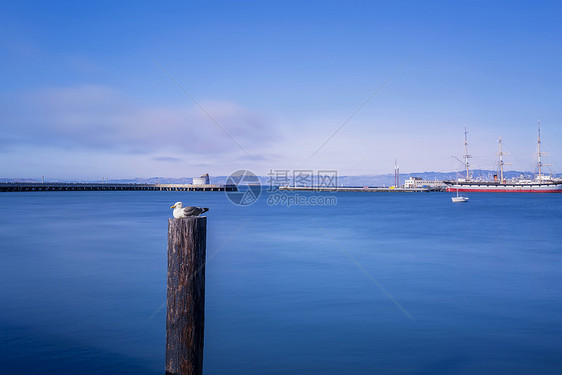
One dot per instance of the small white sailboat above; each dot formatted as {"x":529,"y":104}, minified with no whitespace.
{"x":459,"y":198}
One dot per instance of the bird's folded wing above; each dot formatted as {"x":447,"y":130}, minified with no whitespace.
{"x":191,"y":211}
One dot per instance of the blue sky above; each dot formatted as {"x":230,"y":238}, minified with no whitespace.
{"x":82,"y":95}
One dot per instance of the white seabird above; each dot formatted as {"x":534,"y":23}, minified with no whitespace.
{"x":181,"y":211}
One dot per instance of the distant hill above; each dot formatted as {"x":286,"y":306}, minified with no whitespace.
{"x":388,"y":179}
{"x":362,"y":180}
{"x":24,"y":180}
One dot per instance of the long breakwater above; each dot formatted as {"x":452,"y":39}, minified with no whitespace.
{"x":55,"y":186}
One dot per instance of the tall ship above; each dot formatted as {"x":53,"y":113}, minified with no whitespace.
{"x":542,"y":183}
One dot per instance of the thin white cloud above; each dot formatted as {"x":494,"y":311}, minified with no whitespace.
{"x":99,"y":117}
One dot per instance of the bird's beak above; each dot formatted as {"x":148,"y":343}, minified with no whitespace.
{"x":173,"y":206}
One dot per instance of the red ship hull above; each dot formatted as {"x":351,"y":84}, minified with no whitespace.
{"x":487,"y":187}
{"x":484,"y":190}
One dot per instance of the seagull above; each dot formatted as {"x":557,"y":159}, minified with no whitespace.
{"x":181,"y":211}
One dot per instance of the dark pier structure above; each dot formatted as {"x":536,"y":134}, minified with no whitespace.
{"x":64,"y":186}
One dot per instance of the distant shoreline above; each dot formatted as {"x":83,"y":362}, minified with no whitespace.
{"x":348,"y":180}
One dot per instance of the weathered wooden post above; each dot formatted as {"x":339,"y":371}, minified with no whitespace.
{"x":186,"y":295}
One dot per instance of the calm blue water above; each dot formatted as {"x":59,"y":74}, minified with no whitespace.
{"x":83,"y":283}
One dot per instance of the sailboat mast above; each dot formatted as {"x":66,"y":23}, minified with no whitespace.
{"x":466,"y":156}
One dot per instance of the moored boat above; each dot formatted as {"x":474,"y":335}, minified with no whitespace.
{"x":459,"y":198}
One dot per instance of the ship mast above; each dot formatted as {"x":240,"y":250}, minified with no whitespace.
{"x":539,"y":162}
{"x":396,"y":173}
{"x":501,"y":162}
{"x":540,"y":154}
{"x":466,"y":155}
